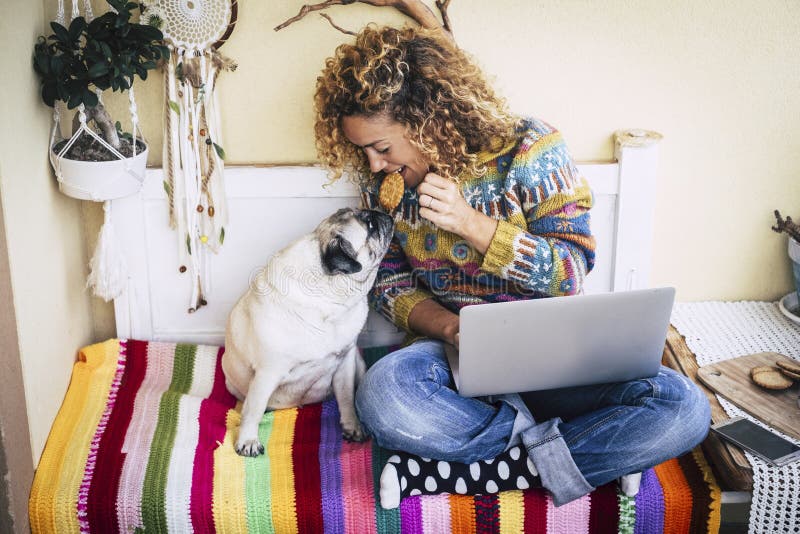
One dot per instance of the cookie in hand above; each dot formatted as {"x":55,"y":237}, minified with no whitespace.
{"x":391,"y":191}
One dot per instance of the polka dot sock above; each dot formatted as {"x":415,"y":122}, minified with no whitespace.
{"x":407,"y":474}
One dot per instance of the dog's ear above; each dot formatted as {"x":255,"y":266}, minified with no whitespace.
{"x":339,"y":257}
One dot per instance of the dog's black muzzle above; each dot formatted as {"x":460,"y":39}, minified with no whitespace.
{"x":379,"y":223}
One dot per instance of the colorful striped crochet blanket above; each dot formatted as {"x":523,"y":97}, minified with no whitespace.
{"x":144,"y":443}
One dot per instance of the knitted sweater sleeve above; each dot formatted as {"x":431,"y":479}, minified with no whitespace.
{"x":397,"y":289}
{"x":545,"y":245}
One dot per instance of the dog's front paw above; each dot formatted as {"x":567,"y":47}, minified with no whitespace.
{"x":249,"y":447}
{"x":352,"y":431}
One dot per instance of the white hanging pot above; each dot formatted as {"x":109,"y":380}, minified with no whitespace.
{"x":794,"y":255}
{"x":100,"y":180}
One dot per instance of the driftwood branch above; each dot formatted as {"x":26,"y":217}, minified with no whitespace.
{"x":329,"y":19}
{"x":309,"y":8}
{"x":442,"y":6}
{"x":414,"y":9}
{"x":787,"y":225}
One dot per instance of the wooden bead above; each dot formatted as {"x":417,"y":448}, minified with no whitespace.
{"x":182,"y":268}
{"x":199,"y":208}
{"x":211,"y":211}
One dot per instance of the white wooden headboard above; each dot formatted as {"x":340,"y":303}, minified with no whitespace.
{"x":271,"y":206}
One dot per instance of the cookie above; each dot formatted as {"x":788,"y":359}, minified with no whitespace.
{"x":391,"y":191}
{"x":790,"y":375}
{"x":786,"y":365}
{"x":769,"y":377}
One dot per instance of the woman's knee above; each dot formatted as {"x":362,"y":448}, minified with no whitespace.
{"x":686,"y":410}
{"x":394,"y":388}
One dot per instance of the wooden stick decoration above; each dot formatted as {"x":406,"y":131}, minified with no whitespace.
{"x":442,"y":6}
{"x":329,"y":19}
{"x":412,"y":8}
{"x":787,"y":225}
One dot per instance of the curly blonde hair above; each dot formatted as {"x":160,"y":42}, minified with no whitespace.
{"x":420,"y":79}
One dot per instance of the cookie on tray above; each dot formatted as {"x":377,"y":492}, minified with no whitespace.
{"x":789,"y":368}
{"x":770,"y":377}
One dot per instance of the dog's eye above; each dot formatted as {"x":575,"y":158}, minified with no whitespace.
{"x":370,"y":226}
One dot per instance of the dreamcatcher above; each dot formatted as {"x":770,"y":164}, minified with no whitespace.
{"x":193,"y":154}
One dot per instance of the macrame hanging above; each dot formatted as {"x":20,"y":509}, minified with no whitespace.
{"x":98,"y":182}
{"x":193,"y":153}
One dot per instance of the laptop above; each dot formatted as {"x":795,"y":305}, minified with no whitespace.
{"x":532,"y":345}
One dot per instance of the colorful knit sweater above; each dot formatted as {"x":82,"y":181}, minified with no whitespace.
{"x":542,"y":247}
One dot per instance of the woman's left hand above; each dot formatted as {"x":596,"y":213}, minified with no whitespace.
{"x":441,"y":203}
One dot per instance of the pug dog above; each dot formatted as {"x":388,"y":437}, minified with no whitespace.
{"x":291,"y":338}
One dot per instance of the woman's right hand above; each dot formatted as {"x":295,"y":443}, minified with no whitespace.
{"x":431,"y":319}
{"x":450,"y":333}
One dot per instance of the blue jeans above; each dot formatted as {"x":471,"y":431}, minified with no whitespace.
{"x":578,"y":438}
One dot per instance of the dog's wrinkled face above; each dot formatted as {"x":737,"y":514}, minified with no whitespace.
{"x":353,"y":241}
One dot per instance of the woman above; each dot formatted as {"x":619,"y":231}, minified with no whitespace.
{"x":494,"y":210}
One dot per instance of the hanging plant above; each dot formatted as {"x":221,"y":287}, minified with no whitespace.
{"x":108,"y":52}
{"x":75,"y":65}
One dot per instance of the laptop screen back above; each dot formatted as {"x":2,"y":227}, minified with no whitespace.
{"x":561,"y":342}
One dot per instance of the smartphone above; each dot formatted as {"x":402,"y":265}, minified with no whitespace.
{"x":758,"y":440}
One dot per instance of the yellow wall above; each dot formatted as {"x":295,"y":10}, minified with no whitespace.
{"x":44,"y":230}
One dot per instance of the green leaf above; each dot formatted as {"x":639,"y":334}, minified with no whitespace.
{"x":49,"y":93}
{"x":41,"y":64}
{"x":61,"y":32}
{"x":220,"y":151}
{"x":222,"y":235}
{"x":76,"y":27}
{"x":168,"y":189}
{"x":57,"y":64}
{"x":97,"y":70}
{"x":174,"y":107}
{"x":75,"y":99}
{"x":90,"y":98}
{"x":188,"y":244}
{"x":118,"y":126}
{"x":148,"y":33}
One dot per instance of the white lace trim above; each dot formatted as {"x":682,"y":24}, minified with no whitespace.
{"x":717,"y":331}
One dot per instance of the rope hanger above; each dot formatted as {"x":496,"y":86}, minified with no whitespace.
{"x":108,"y":276}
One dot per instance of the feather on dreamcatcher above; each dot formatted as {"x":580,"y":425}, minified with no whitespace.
{"x":193,"y":154}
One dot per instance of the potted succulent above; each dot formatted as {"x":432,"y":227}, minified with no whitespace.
{"x":106,"y":53}
{"x":791,"y":302}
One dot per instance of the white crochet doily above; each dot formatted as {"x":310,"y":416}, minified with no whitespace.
{"x":717,"y":331}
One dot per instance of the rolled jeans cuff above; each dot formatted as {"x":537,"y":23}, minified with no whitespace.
{"x":522,"y":421}
{"x":552,"y":459}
